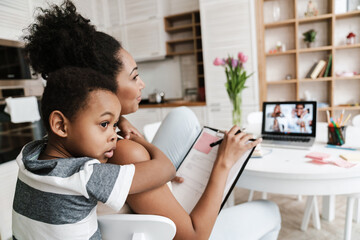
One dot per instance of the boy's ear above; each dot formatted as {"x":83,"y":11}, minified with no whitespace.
{"x":58,"y":123}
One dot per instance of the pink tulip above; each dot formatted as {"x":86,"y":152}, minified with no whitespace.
{"x":242,"y":57}
{"x":234,"y":63}
{"x":219,"y":62}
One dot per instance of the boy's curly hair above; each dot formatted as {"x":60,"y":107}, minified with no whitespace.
{"x":67,"y":90}
{"x":61,"y":37}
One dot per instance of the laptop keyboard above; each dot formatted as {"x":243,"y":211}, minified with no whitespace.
{"x":286,"y":138}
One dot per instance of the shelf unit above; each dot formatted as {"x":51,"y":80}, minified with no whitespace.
{"x":338,"y":92}
{"x":184,"y":33}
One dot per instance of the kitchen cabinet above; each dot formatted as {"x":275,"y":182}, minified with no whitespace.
{"x":200,"y":112}
{"x":228,"y":27}
{"x":144,"y":116}
{"x":138,"y":25}
{"x":15,"y":16}
{"x":184,"y":33}
{"x":145,"y":40}
{"x":140,"y":11}
{"x":176,"y":6}
{"x":95,"y":10}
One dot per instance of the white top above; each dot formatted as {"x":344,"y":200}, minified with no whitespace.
{"x":56,"y":199}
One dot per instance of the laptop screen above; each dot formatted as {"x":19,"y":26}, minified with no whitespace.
{"x":289,"y":118}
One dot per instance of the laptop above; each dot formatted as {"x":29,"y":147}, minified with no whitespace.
{"x":289,"y":124}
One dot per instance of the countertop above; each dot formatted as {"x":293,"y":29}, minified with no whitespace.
{"x":170,"y":103}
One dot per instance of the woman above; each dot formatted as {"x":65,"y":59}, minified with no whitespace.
{"x":61,"y":38}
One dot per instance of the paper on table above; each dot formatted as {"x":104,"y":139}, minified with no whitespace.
{"x":196,"y":169}
{"x":318,"y":155}
{"x":337,"y":161}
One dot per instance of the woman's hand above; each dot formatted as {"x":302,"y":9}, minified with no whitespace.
{"x":127,"y":128}
{"x":234,"y":146}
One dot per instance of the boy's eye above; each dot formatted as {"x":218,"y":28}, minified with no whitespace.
{"x":104,"y":124}
{"x":135,"y":76}
{"x":115,"y":124}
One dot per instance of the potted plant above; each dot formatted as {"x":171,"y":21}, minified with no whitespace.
{"x":236,"y":77}
{"x":309,"y":37}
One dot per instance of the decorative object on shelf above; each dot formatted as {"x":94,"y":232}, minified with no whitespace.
{"x":350,"y":38}
{"x":309,"y":37}
{"x":280,"y":47}
{"x":311,"y":9}
{"x":345,"y":74}
{"x":288,"y":77}
{"x":276,"y":11}
{"x":236,"y":77}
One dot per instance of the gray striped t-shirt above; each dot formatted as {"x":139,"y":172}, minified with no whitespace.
{"x":56,"y":199}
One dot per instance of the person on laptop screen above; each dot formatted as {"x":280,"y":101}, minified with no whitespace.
{"x":289,"y":124}
{"x":278,"y":120}
{"x":289,"y":118}
{"x":301,"y":119}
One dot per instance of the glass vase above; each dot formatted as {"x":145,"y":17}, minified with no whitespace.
{"x":236,"y":113}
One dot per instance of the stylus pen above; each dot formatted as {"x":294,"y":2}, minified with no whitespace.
{"x":219,"y":141}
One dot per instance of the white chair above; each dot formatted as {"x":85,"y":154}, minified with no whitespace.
{"x":356,"y":121}
{"x":353,"y":201}
{"x":136,"y":227}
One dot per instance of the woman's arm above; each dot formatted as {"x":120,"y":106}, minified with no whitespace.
{"x":148,"y":174}
{"x":199,"y":224}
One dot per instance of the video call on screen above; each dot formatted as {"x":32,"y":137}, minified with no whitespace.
{"x":289,"y":118}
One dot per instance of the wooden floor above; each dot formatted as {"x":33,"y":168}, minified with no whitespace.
{"x":292,"y":212}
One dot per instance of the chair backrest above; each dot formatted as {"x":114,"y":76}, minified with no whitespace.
{"x":136,"y":227}
{"x":254,"y":117}
{"x":356,"y":121}
{"x":253,"y":125}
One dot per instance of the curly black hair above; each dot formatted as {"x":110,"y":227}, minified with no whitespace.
{"x":67,"y":90}
{"x":61,"y":37}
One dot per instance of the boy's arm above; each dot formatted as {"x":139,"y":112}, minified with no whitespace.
{"x":148,"y":174}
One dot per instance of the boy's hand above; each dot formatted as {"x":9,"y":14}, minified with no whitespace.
{"x":177,"y":179}
{"x":127,"y":128}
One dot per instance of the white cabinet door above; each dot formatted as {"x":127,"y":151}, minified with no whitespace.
{"x":140,"y":10}
{"x":145,"y":40}
{"x":144,"y":116}
{"x":95,"y":10}
{"x":199,"y":111}
{"x":118,"y":33}
{"x":228,"y":27}
{"x":14,"y":17}
{"x":114,"y":10}
{"x":176,"y":6}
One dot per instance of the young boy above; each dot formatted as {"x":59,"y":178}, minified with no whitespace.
{"x":61,"y":178}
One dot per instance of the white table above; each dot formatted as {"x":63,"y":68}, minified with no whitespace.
{"x":287,"y":171}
